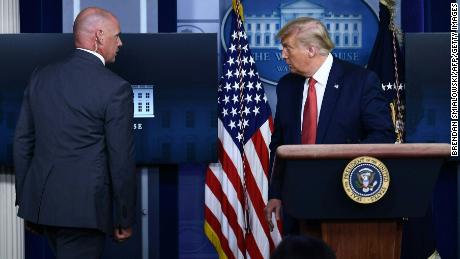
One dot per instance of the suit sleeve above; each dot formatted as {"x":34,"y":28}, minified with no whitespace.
{"x":120,"y":146}
{"x":24,"y":141}
{"x":376,"y":117}
{"x":274,"y":190}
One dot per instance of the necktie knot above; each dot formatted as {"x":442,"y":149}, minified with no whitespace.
{"x":311,"y":83}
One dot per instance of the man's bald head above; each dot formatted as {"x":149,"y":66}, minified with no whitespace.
{"x":98,"y":30}
{"x":87,"y":23}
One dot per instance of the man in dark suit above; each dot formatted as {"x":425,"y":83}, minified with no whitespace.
{"x":302,"y":247}
{"x":323,"y":100}
{"x":73,"y":147}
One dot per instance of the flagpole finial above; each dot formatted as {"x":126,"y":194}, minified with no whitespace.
{"x":391,"y":5}
{"x":388,"y":3}
{"x":238,"y":8}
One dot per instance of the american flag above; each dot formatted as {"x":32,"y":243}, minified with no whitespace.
{"x":236,"y":188}
{"x":386,"y":60}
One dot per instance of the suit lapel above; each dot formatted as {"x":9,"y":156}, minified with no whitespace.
{"x":333,"y":87}
{"x":296,"y":104}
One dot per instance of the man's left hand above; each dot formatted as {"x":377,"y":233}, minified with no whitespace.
{"x":122,"y":234}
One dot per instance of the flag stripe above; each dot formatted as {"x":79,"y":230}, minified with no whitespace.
{"x":214,"y":238}
{"x":253,"y":253}
{"x":229,"y":190}
{"x":231,"y":172}
{"x":215,"y":226}
{"x":228,"y":210}
{"x":255,"y":167}
{"x":260,"y":147}
{"x":259,"y":235}
{"x":272,"y":126}
{"x":266,"y":131}
{"x":231,"y":159}
{"x":258,"y":204}
{"x":225,"y":229}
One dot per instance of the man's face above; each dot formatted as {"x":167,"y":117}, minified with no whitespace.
{"x":294,"y":54}
{"x":111,"y":41}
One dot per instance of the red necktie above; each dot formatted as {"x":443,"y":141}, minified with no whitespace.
{"x":310,"y":113}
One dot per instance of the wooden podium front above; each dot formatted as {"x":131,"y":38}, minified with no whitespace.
{"x":313,"y":192}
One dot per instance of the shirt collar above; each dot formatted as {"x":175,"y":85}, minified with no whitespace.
{"x":322,"y":74}
{"x":95,"y":54}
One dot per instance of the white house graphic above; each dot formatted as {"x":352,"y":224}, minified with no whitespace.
{"x":143,"y":101}
{"x":345,"y":30}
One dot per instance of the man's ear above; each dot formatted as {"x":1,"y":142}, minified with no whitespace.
{"x":99,"y":36}
{"x":310,"y":51}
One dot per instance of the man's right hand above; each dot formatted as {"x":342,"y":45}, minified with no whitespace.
{"x":273,"y":205}
{"x":122,"y":234}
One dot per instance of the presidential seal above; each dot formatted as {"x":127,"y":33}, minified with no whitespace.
{"x":365,"y":179}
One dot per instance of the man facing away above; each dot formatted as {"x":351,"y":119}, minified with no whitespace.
{"x":73,"y":146}
{"x":324,"y":100}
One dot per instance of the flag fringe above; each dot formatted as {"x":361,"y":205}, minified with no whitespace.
{"x":238,"y":8}
{"x":391,"y":5}
{"x":214,"y":238}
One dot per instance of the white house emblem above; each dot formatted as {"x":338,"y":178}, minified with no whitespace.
{"x":352,"y":26}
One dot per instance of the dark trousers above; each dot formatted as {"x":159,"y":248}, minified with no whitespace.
{"x":291,"y":225}
{"x":70,"y":243}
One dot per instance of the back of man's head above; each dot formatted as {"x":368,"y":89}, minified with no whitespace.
{"x":86,"y":25}
{"x":302,"y":247}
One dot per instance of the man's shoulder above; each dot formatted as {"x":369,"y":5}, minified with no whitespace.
{"x":291,"y":78}
{"x":289,"y":85}
{"x":90,"y":64}
{"x":108,"y":74}
{"x":66,"y":63}
{"x":111,"y":82}
{"x":90,"y":73}
{"x":349,"y":68}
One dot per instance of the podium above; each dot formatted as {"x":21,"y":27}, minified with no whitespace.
{"x":312,"y":191}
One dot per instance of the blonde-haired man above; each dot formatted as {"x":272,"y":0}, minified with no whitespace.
{"x":324,"y":100}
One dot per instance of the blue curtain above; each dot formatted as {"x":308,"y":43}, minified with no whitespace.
{"x":425,"y":15}
{"x":45,"y":16}
{"x":434,"y":16}
{"x":40,"y":16}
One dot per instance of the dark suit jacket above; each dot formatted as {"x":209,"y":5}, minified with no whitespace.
{"x":354,"y":110}
{"x":73,"y":147}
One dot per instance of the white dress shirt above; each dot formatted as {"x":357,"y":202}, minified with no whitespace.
{"x":321,"y":77}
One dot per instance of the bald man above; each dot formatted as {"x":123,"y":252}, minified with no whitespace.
{"x":73,"y":147}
